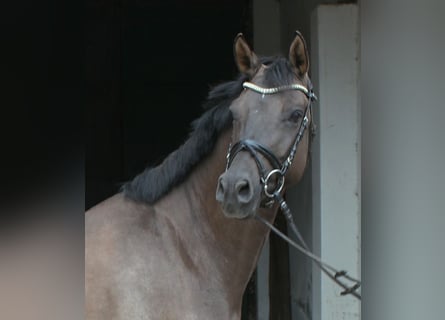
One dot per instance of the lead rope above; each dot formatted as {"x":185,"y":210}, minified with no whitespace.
{"x":330,"y":271}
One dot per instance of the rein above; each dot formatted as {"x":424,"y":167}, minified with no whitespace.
{"x":279,"y":171}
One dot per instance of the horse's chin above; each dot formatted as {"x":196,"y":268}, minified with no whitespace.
{"x":238,"y":215}
{"x":235,"y":212}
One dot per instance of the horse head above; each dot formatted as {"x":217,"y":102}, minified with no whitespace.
{"x":270,"y":136}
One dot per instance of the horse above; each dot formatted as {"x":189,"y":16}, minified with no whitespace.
{"x":179,"y":241}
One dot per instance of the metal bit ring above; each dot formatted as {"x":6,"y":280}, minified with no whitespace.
{"x":280,"y":185}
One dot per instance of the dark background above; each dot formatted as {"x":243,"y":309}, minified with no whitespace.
{"x":149,"y":67}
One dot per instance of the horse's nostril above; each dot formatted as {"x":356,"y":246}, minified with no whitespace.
{"x":243,"y":191}
{"x":242,"y":187}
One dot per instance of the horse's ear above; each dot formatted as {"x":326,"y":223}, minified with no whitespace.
{"x":298,"y":54}
{"x":246,"y":60}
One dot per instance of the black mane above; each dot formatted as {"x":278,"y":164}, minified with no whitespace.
{"x":154,"y":182}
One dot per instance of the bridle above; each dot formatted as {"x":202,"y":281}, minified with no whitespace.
{"x":279,"y":170}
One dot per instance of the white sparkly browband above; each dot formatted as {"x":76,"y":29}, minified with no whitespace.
{"x":262,"y":90}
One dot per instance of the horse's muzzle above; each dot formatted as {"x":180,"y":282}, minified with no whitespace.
{"x":238,"y":196}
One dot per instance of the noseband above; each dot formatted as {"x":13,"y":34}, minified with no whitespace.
{"x":254,"y":148}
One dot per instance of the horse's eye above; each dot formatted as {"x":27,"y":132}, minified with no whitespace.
{"x":295,"y":116}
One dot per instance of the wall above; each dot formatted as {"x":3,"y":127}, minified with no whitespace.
{"x":403,"y":158}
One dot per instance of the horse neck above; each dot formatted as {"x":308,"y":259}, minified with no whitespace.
{"x":233,"y":246}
